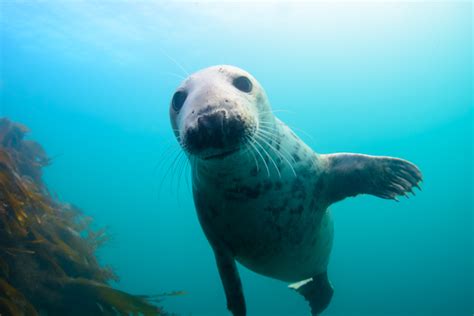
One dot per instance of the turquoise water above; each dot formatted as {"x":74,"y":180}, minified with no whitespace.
{"x":93,"y":81}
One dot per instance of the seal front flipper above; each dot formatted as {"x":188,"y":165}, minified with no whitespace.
{"x":231,"y":281}
{"x":347,"y":175}
{"x":224,"y":258}
{"x":317,"y":291}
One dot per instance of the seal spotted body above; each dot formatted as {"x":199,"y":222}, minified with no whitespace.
{"x":261,"y":194}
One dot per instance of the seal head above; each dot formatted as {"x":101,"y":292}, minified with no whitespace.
{"x":215,"y":111}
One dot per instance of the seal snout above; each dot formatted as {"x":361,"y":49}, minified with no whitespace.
{"x":215,"y":134}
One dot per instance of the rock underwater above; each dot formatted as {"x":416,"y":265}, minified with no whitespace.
{"x":47,"y":248}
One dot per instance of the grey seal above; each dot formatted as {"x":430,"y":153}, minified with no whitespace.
{"x":261,"y":194}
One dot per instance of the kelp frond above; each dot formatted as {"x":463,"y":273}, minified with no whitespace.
{"x":47,"y":248}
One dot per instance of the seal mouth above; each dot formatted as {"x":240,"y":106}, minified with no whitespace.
{"x":222,"y":155}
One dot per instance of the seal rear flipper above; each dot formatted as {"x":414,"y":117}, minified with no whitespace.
{"x":317,"y":291}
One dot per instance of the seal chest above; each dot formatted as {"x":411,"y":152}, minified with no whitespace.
{"x":261,"y":194}
{"x":269,"y":218}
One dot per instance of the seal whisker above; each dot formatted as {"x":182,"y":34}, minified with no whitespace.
{"x":277,"y":152}
{"x":173,"y":74}
{"x":176,"y":182}
{"x":249,"y":150}
{"x":182,"y":167}
{"x":175,"y":62}
{"x":165,"y":156}
{"x":266,"y":140}
{"x":268,"y":123}
{"x":252,"y":143}
{"x":270,"y":130}
{"x":187,"y":166}
{"x":167,"y":172}
{"x":198,"y":177}
{"x":187,"y":171}
{"x":276,"y":111}
{"x":163,"y":166}
{"x":302,"y":131}
{"x":194,"y":171}
{"x":175,"y":175}
{"x":197,"y":170}
{"x":268,"y":135}
{"x":269,"y":157}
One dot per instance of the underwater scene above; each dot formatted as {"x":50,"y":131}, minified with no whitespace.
{"x":236,"y":158}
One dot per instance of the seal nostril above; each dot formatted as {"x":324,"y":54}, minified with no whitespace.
{"x":218,"y":129}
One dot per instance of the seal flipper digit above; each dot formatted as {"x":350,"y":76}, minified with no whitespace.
{"x":348,"y":175}
{"x":231,"y":281}
{"x":317,"y":291}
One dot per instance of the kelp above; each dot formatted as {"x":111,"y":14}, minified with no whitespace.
{"x":47,"y":248}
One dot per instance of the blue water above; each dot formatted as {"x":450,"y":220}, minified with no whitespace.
{"x":93,"y":81}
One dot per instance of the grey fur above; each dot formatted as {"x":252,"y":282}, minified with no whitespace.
{"x":266,"y":205}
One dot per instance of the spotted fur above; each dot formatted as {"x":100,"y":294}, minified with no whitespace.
{"x":266,"y":204}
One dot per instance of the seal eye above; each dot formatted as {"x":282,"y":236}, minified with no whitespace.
{"x":178,"y":100}
{"x":243,"y":84}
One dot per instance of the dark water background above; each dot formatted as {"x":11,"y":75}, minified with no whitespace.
{"x":93,"y":81}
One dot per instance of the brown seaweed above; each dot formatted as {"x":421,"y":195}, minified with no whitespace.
{"x":47,"y":248}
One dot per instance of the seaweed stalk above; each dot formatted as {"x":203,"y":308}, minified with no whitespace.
{"x":47,"y":248}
